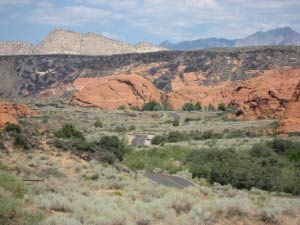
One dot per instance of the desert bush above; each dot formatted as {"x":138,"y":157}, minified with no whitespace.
{"x":135,"y":108}
{"x":198,"y":106}
{"x":21,"y":141}
{"x":188,"y":107}
{"x":260,"y":150}
{"x":98,"y":124}
{"x":158,"y":139}
{"x":114,"y":145}
{"x":175,"y":123}
{"x":179,"y":201}
{"x":131,"y":128}
{"x":260,"y":167}
{"x":68,"y":131}
{"x":108,"y":157}
{"x":238,"y":206}
{"x":60,"y":220}
{"x":120,"y":129}
{"x":152,"y":158}
{"x":222,"y":107}
{"x":152,"y":106}
{"x":176,"y":136}
{"x":12,"y":213}
{"x":122,"y":107}
{"x":13,"y":128}
{"x":91,"y":177}
{"x":198,"y":215}
{"x":10,"y":183}
{"x":55,"y":202}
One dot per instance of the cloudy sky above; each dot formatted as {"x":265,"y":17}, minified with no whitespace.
{"x":146,"y":20}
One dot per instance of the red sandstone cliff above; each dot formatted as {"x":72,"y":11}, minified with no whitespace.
{"x":9,"y":113}
{"x":110,"y":92}
{"x":290,"y":121}
{"x":260,"y":97}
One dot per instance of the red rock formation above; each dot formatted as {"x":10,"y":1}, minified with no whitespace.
{"x":110,"y":92}
{"x":260,"y":97}
{"x":290,"y":121}
{"x":9,"y":113}
{"x":257,"y":98}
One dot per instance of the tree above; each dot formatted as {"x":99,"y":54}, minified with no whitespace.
{"x":114,"y":145}
{"x":222,"y":107}
{"x":198,"y":106}
{"x":187,"y":107}
{"x":152,"y":106}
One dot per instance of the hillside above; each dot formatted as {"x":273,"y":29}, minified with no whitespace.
{"x":257,"y":80}
{"x":68,"y":42}
{"x":279,"y":36}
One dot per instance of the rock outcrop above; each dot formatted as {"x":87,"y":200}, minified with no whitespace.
{"x":258,"y":81}
{"x":68,"y":42}
{"x":111,"y":92}
{"x":9,"y":113}
{"x":15,"y":48}
{"x":290,"y":121}
{"x":260,"y":97}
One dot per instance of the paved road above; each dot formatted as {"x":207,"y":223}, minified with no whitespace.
{"x":169,"y":180}
{"x":139,"y":140}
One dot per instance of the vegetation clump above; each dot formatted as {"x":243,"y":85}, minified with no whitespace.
{"x":188,"y":107}
{"x":272,"y":166}
{"x":152,"y":106}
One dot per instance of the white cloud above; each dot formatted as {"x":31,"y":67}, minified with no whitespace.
{"x":173,"y":19}
{"x":71,"y":15}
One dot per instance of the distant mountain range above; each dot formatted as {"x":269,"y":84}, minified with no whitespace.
{"x":68,"y":42}
{"x":279,"y":36}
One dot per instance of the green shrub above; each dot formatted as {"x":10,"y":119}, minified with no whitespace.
{"x":98,"y":124}
{"x":152,"y":106}
{"x":294,"y":134}
{"x":12,"y":213}
{"x":120,"y":129}
{"x":14,"y":128}
{"x":10,"y":183}
{"x":58,"y":143}
{"x":281,"y":146}
{"x":114,"y":145}
{"x":108,"y":157}
{"x":153,"y":158}
{"x":122,"y":107}
{"x":68,"y":131}
{"x":131,"y":128}
{"x":222,"y":107}
{"x":92,"y":177}
{"x":260,"y":150}
{"x":198,"y":106}
{"x":21,"y":141}
{"x":175,"y":123}
{"x":158,"y":139}
{"x":261,"y":167}
{"x":135,"y":108}
{"x":187,"y":107}
{"x":176,"y":136}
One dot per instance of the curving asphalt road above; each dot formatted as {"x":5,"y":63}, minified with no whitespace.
{"x":169,"y":180}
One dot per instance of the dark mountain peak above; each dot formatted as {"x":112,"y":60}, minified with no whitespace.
{"x":278,"y":36}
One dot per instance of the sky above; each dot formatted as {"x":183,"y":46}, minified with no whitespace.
{"x":151,"y":21}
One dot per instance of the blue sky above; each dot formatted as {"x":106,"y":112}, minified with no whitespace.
{"x":146,"y":20}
